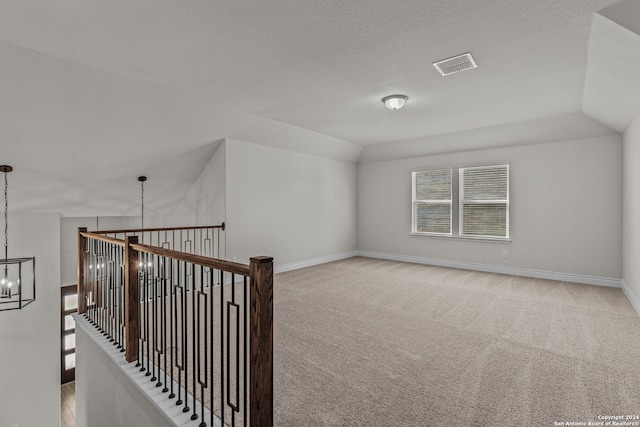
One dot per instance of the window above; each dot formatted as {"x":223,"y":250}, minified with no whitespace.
{"x":484,"y":201}
{"x":432,"y":201}
{"x":68,"y":305}
{"x":478,"y":197}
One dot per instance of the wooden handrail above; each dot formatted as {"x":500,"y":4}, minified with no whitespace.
{"x":90,"y":235}
{"x":134,"y":230}
{"x":218,"y":264}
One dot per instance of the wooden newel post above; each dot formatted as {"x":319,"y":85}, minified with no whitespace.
{"x":132,"y":298}
{"x":82,"y":268}
{"x":261,"y":330}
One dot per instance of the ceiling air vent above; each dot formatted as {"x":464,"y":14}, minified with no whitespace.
{"x":455,"y":64}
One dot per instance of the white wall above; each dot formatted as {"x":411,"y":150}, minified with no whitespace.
{"x":565,"y":210}
{"x":631,"y":210}
{"x":207,"y":197}
{"x":292,"y":206}
{"x":204,"y":203}
{"x":105,"y":396}
{"x":30,"y":338}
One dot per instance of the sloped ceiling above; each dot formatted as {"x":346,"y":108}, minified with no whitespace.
{"x":612,"y":83}
{"x":93,"y":94}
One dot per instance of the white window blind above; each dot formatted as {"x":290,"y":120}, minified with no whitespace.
{"x":484,"y":201}
{"x":432,"y":201}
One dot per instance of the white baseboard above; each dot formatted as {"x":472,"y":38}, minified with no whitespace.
{"x":631,"y":297}
{"x":537,"y":274}
{"x":311,"y":262}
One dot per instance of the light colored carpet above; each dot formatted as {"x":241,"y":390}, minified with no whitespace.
{"x":365,"y":342}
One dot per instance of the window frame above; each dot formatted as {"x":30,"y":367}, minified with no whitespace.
{"x":462,"y":201}
{"x":415,"y":201}
{"x":456,"y":225}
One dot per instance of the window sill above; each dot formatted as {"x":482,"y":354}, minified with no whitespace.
{"x":465,"y":238}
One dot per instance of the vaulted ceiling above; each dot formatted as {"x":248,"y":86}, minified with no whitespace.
{"x":93,"y":94}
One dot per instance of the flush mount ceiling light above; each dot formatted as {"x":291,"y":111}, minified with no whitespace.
{"x":395,"y":102}
{"x":455,"y":64}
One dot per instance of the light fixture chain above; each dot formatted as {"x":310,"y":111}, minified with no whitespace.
{"x":6,"y":217}
{"x":142,"y":200}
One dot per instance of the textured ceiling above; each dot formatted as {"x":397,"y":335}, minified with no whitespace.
{"x":93,"y":93}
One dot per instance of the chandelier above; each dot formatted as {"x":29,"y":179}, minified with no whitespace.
{"x":17,"y":275}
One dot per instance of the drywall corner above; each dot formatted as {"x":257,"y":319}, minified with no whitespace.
{"x":631,"y":208}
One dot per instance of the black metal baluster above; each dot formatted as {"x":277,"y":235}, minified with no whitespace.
{"x":164,"y":320}
{"x":180,"y":329}
{"x":211,"y":350}
{"x":205,"y":321}
{"x":114,"y":302}
{"x":172,"y":323}
{"x":100,"y":290}
{"x":154,"y":325}
{"x":145,"y":284}
{"x":104,"y":301}
{"x":157,"y":318}
{"x":185,"y":346}
{"x":98,"y":287}
{"x":101,"y":287}
{"x":222,"y":408}
{"x":195,"y":336}
{"x":96,"y":294}
{"x":244,"y":341}
{"x":112,"y":292}
{"x":94,"y":284}
{"x":107,"y":288}
{"x":232,"y":303}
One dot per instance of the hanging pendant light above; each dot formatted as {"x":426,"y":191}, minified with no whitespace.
{"x":17,"y":275}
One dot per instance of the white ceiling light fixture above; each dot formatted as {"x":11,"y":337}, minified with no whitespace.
{"x":395,"y":102}
{"x":455,"y":64}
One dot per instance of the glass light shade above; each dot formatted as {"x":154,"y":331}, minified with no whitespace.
{"x":394,"y":102}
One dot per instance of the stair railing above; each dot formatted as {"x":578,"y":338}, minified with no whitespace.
{"x":198,"y":326}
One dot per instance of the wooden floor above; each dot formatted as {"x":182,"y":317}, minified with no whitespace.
{"x":68,"y":405}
